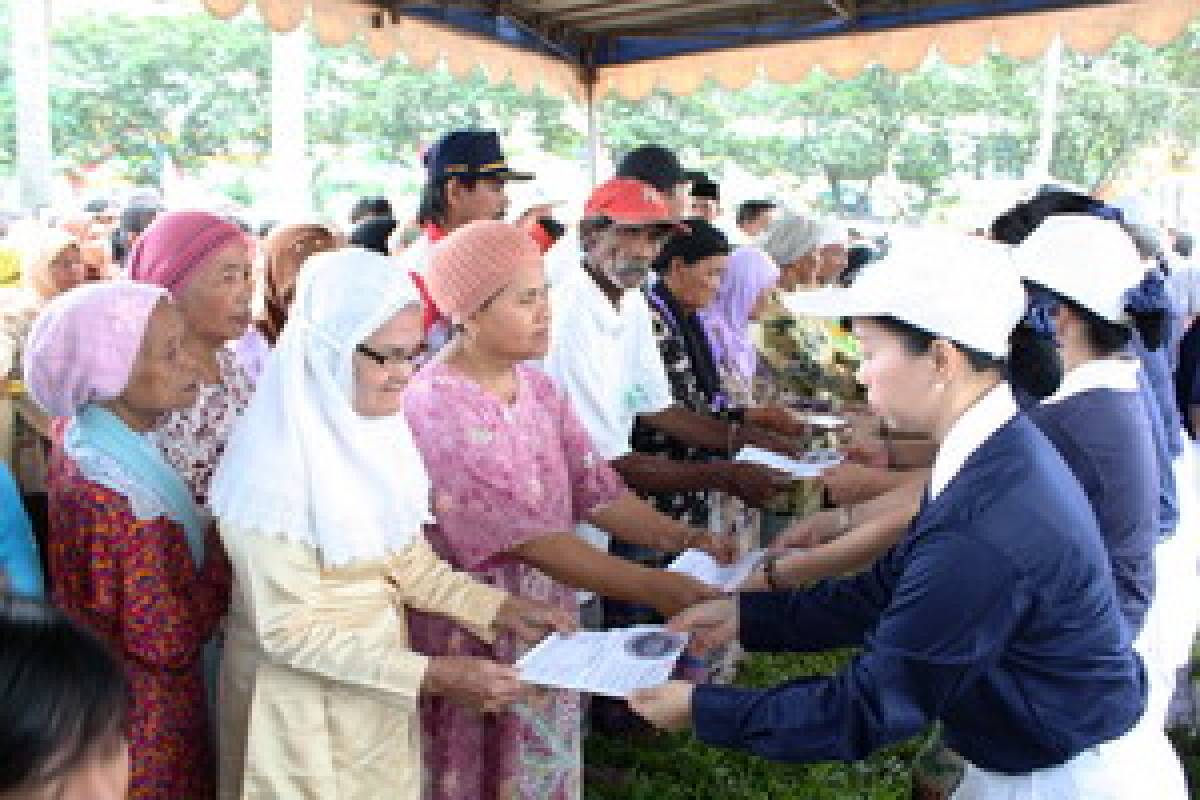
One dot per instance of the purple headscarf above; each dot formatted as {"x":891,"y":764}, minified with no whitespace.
{"x":83,"y":345}
{"x":749,"y":273}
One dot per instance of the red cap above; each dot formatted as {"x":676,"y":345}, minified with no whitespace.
{"x":628,"y":202}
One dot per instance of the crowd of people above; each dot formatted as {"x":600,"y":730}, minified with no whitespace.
{"x":282,"y":508}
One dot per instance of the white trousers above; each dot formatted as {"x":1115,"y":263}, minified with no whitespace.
{"x":1141,"y":765}
{"x":1165,"y":641}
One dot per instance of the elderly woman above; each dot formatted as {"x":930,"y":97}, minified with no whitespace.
{"x":204,"y":262}
{"x":321,"y":499}
{"x":129,"y":553}
{"x":809,"y":357}
{"x":513,"y":472}
{"x":50,"y":265}
{"x":743,"y":297}
{"x":745,"y":293}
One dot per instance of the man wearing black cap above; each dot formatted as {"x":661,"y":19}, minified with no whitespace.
{"x":706,"y":200}
{"x":659,"y":167}
{"x":466,"y":177}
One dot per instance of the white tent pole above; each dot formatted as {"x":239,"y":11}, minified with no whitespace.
{"x":290,"y":176}
{"x":593,"y":132}
{"x":1049,"y":115}
{"x":31,"y":75}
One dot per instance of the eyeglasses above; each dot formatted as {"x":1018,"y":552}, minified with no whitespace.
{"x":397,"y":357}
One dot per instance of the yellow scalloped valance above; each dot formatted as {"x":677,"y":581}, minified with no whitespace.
{"x":1091,"y":29}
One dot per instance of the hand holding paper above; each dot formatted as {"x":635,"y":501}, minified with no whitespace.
{"x":668,"y":706}
{"x":704,"y":568}
{"x":810,"y":466}
{"x":611,"y":663}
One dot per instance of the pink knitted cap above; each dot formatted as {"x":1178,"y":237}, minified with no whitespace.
{"x":475,"y":262}
{"x":176,"y":244}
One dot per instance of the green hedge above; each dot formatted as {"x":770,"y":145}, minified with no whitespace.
{"x":677,"y":767}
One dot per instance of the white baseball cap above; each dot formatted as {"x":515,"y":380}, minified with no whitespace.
{"x":956,"y":287}
{"x":1090,"y":261}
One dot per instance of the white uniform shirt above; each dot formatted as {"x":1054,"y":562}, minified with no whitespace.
{"x":608,"y":363}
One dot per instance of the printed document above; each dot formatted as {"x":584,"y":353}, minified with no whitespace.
{"x":611,"y":663}
{"x":706,"y":569}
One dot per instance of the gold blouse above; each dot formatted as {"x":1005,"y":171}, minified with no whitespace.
{"x":318,"y":691}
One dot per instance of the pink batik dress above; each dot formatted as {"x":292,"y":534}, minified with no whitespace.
{"x":502,"y":475}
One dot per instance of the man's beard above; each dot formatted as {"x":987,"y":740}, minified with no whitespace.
{"x":628,"y":273}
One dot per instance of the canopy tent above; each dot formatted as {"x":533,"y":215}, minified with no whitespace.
{"x":589,"y":47}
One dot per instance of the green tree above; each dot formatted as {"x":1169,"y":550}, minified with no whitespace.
{"x":132,"y":88}
{"x":8,"y":100}
{"x":389,"y":109}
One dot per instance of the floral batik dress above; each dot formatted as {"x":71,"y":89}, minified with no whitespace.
{"x":193,"y":440}
{"x":502,"y":475}
{"x":132,"y":580}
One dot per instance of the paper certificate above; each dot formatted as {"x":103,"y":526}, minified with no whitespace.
{"x":706,"y":569}
{"x":611,"y":663}
{"x":810,"y":465}
{"x":827,"y":422}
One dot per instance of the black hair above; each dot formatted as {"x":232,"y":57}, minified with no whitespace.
{"x":857,"y":258}
{"x":706,"y":189}
{"x":553,"y":228}
{"x":1013,"y":226}
{"x":134,"y":221}
{"x":434,"y":207}
{"x":1184,"y":244}
{"x":1034,"y":364}
{"x":370,"y":206}
{"x":1109,"y":338}
{"x":62,"y":693}
{"x":373,"y":234}
{"x":655,"y":165}
{"x":918,"y":341}
{"x":700,"y":241}
{"x":245,"y":226}
{"x":751,"y":210}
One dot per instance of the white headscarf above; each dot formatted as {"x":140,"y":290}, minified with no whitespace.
{"x":302,"y":463}
{"x":790,"y":238}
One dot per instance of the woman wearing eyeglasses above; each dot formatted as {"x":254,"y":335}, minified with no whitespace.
{"x":321,"y":500}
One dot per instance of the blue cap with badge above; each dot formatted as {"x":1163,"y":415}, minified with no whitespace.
{"x":470,"y":154}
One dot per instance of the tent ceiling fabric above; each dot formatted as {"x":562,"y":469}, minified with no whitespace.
{"x":632,"y":48}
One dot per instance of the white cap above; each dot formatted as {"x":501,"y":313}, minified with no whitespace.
{"x":1090,"y":261}
{"x":956,"y":287}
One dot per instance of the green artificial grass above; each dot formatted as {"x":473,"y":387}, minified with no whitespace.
{"x":677,"y":767}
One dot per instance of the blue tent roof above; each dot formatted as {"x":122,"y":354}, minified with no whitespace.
{"x":594,"y":34}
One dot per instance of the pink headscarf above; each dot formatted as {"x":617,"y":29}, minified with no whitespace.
{"x":168,"y":253}
{"x":83,"y":345}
